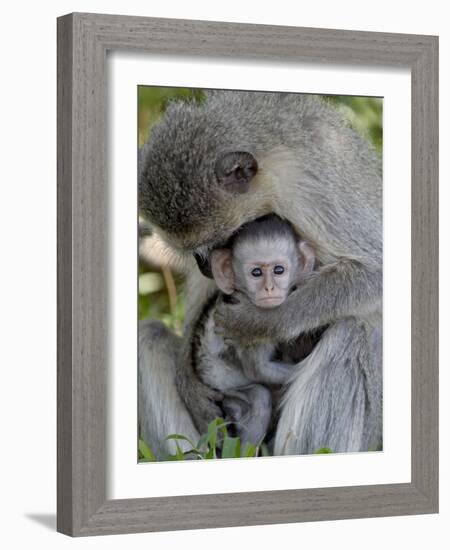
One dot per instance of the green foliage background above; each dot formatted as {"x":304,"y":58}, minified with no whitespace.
{"x":362,"y":113}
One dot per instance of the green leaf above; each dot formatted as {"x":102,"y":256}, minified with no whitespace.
{"x":211,"y":453}
{"x":250,"y":450}
{"x":212,"y":440}
{"x":202,"y":441}
{"x":213,"y":428}
{"x":179,"y":454}
{"x":264,"y":450}
{"x":172,"y":458}
{"x":146,"y":452}
{"x":231,"y":447}
{"x":323,"y":451}
{"x":181,"y":438}
{"x":222,"y":426}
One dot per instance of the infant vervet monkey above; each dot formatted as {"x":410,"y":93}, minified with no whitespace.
{"x":265,"y":261}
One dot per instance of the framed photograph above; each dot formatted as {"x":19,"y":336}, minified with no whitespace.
{"x":247,"y":274}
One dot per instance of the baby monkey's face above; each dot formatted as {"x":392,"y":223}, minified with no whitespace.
{"x":265,"y":272}
{"x":264,"y":269}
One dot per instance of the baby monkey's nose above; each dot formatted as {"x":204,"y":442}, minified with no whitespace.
{"x":268,"y":283}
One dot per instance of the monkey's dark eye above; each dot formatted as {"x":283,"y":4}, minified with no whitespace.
{"x":278,"y":270}
{"x":257,"y":272}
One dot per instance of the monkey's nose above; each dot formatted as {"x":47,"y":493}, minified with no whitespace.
{"x":268,"y":282}
{"x":268,"y":286}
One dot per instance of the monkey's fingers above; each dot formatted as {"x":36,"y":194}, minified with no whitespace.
{"x":210,"y":396}
{"x":215,"y":395}
{"x":205,"y":412}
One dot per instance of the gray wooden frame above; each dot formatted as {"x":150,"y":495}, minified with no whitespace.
{"x":83,"y":41}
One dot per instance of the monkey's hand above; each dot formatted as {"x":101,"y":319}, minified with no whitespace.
{"x":201,"y":401}
{"x":233,"y":318}
{"x":344,"y":289}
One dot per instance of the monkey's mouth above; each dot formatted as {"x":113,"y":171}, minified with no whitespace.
{"x":269,"y":302}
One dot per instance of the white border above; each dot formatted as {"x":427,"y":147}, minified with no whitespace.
{"x":126,"y":479}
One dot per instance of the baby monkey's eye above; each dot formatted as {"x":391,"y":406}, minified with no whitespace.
{"x":257,"y":272}
{"x":278,"y":270}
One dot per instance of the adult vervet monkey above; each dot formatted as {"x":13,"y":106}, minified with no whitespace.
{"x":209,"y":168}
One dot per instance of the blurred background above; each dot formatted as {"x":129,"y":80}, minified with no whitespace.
{"x":160,"y":282}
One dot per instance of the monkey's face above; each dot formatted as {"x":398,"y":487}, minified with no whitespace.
{"x":200,"y":209}
{"x":264,"y":271}
{"x":196,"y":183}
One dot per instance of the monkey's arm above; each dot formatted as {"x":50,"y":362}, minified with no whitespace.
{"x":275,"y":372}
{"x":346,"y":288}
{"x":258,"y":366}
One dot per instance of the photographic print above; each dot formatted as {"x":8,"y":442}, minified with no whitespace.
{"x":260,"y":274}
{"x":260,"y":267}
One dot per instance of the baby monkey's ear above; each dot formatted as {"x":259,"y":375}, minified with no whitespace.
{"x":307,"y":257}
{"x":222,"y":270}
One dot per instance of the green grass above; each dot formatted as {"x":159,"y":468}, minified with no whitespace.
{"x":215,"y":443}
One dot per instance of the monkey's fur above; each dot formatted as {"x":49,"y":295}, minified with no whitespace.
{"x":291,"y":155}
{"x":239,"y":373}
{"x":247,"y":374}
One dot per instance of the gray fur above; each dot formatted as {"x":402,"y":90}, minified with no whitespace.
{"x":340,"y":404}
{"x":156,"y":377}
{"x":238,"y":373}
{"x":236,"y":369}
{"x":252,"y":408}
{"x":325,"y":180}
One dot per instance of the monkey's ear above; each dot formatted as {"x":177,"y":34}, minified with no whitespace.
{"x":235,"y":171}
{"x":307,"y":257}
{"x":222,"y":270}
